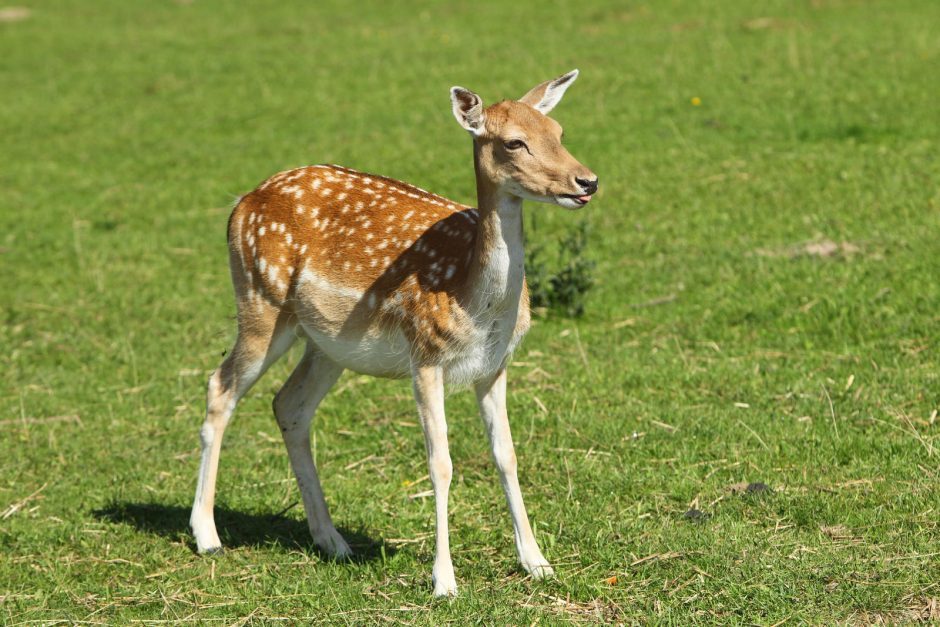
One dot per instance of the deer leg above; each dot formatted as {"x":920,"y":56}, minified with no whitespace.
{"x":259,"y":345}
{"x":429,"y":394}
{"x":294,"y":407}
{"x":491,"y":397}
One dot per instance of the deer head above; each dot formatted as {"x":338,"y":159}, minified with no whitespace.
{"x":518,"y":149}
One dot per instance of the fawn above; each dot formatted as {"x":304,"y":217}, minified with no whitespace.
{"x":386,"y":279}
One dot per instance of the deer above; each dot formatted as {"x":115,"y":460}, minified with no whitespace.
{"x":383,"y":278}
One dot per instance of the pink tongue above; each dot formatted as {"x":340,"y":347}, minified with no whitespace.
{"x":584,"y":199}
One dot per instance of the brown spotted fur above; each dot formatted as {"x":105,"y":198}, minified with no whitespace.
{"x":391,"y":240}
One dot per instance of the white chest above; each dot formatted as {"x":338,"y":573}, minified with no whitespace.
{"x":487,"y":347}
{"x":470,"y":336}
{"x":494,"y":309}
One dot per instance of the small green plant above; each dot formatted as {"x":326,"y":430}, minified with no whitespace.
{"x":565,"y":289}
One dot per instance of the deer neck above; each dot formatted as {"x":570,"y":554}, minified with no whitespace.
{"x":497,"y":265}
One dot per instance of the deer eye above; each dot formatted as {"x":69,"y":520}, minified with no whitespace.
{"x":514,"y":144}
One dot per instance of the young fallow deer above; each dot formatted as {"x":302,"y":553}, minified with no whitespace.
{"x":386,"y":279}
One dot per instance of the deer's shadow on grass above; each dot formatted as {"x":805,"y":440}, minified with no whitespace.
{"x":237,"y":529}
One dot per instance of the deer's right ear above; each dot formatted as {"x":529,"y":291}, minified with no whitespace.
{"x":468,"y":109}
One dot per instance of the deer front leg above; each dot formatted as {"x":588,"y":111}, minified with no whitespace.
{"x":491,"y":396}
{"x":429,"y":393}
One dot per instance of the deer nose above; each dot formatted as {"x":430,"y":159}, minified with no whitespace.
{"x":589,"y":185}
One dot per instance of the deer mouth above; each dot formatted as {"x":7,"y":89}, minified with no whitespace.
{"x":581,"y":199}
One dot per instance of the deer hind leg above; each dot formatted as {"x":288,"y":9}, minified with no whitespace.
{"x":294,"y":407}
{"x":262,"y":339}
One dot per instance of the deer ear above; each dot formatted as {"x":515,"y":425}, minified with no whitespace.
{"x":468,"y":109}
{"x":544,"y":97}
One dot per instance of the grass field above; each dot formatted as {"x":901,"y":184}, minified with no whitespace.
{"x":766,"y":311}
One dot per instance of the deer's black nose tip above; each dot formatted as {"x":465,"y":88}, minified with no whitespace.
{"x":589,"y":185}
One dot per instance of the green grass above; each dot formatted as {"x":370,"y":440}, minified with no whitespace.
{"x":717,"y":348}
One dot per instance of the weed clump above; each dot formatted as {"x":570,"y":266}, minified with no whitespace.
{"x":564,"y":289}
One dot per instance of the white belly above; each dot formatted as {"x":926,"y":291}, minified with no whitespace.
{"x":389,"y":355}
{"x":324,"y":312}
{"x":379,"y":356}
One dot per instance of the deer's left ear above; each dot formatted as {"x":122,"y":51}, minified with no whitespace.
{"x":544,"y":97}
{"x":468,"y":109}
